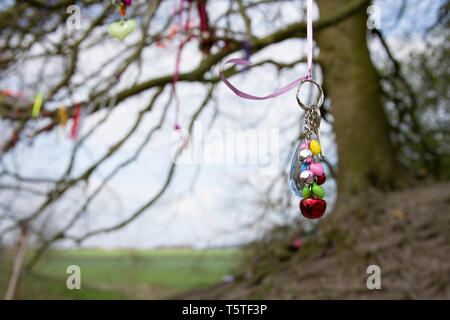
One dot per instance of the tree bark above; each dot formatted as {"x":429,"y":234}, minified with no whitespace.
{"x":365,"y":154}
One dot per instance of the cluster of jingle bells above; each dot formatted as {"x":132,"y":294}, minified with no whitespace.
{"x":307,"y":175}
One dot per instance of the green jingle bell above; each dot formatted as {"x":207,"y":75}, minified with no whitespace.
{"x":306,"y":192}
{"x":317,"y":190}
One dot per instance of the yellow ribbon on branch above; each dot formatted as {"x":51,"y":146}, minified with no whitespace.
{"x":37,"y":104}
{"x":62,"y":115}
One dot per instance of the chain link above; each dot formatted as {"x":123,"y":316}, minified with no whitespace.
{"x":312,"y":122}
{"x":312,"y":125}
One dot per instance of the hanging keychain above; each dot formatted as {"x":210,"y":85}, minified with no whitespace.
{"x":307,"y":174}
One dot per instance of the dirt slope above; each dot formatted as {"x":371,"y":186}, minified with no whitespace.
{"x":406,"y":233}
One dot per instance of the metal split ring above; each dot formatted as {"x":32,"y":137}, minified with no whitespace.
{"x":319,"y":100}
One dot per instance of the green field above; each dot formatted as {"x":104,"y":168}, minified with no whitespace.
{"x":123,"y":274}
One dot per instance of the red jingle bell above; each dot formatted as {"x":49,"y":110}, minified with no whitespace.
{"x":321,"y":180}
{"x":313,"y":208}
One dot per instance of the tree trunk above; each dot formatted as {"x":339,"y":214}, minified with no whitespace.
{"x":365,"y":154}
{"x":17,"y":264}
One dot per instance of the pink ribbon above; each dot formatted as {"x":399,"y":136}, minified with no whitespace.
{"x":175,"y":80}
{"x":309,"y":35}
{"x":290,"y":86}
{"x":177,"y":68}
{"x":251,"y":97}
{"x":174,"y":85}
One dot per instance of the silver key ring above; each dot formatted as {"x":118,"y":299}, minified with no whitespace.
{"x":320,"y":99}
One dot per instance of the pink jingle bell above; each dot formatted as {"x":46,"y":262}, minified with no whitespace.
{"x":316,"y":168}
{"x":304,"y":145}
{"x":313,"y":208}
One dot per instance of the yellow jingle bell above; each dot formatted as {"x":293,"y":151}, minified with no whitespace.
{"x":314,"y":146}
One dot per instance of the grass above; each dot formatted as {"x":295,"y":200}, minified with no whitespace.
{"x":121,"y":274}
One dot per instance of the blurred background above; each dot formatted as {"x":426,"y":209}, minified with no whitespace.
{"x":146,"y":171}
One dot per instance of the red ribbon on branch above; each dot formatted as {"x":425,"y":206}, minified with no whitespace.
{"x":76,"y":122}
